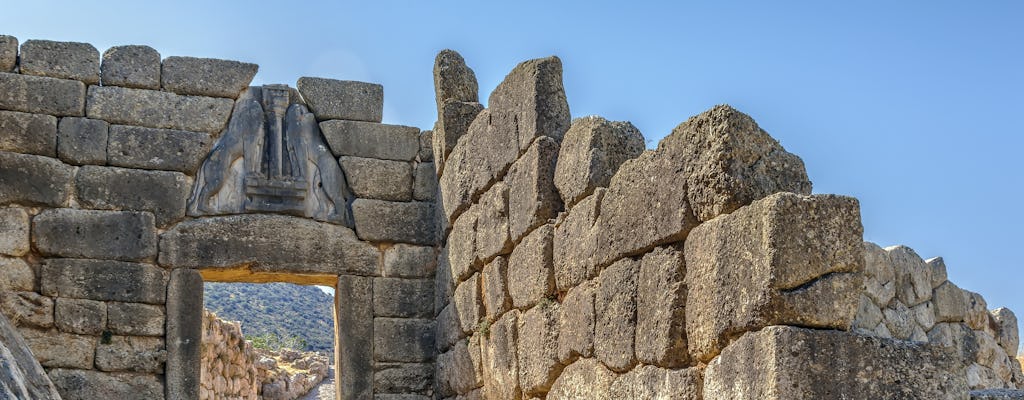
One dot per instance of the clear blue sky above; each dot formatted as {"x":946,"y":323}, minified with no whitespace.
{"x":913,"y":107}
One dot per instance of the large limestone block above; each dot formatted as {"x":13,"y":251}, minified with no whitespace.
{"x":792,"y":363}
{"x":371,"y":178}
{"x":977,"y":316}
{"x":82,"y":140}
{"x":68,"y":60}
{"x":105,"y":235}
{"x":8,"y":53}
{"x":131,"y":353}
{"x":424,"y":186}
{"x":530,"y":274}
{"x":136,"y":319}
{"x":55,"y":349}
{"x":661,"y":309}
{"x":17,"y":275}
{"x":1007,"y":334}
{"x":538,"y":349}
{"x":335,"y":99}
{"x":479,"y":159}
{"x":575,"y":242}
{"x":647,"y":382}
{"x":453,"y":79}
{"x":409,"y":261}
{"x":267,"y":243}
{"x":27,"y":309}
{"x":591,"y":153}
{"x":404,"y":298}
{"x":956,"y":336}
{"x":76,"y":384}
{"x":355,"y":331}
{"x":949,"y":303}
{"x":533,"y":94}
{"x":372,"y":140}
{"x":155,"y":109}
{"x":500,"y":358}
{"x":997,"y":394}
{"x":104,"y":280}
{"x":576,"y":324}
{"x":34,"y":180}
{"x":533,"y":199}
{"x":938,"y":268}
{"x":131,"y":66}
{"x":84,"y":317}
{"x":403,"y":340}
{"x":14,"y":231}
{"x":206,"y":76}
{"x":460,"y":252}
{"x":459,"y":371}
{"x":584,"y":379}
{"x":444,"y":282}
{"x":28,"y":133}
{"x":786,"y":259}
{"x":162,"y":193}
{"x":453,"y":121}
{"x":448,"y":327}
{"x":426,"y":153}
{"x":166,"y":149}
{"x":386,"y":221}
{"x":494,"y":286}
{"x":615,"y":305}
{"x":492,"y":236}
{"x":469,"y":308}
{"x":913,"y":276}
{"x":403,"y":378}
{"x":879,"y":276}
{"x":42,"y":95}
{"x":22,"y":377}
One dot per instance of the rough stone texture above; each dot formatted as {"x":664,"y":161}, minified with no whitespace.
{"x":575,"y":242}
{"x":159,"y":192}
{"x":591,"y":153}
{"x":461,"y":250}
{"x":408,"y":261}
{"x":534,"y":95}
{"x":426,"y":153}
{"x":27,"y":309}
{"x":131,"y":353}
{"x":997,"y":394}
{"x":184,"y":332}
{"x":576,"y":324}
{"x":84,"y":317}
{"x":104,"y":280}
{"x":950,"y":303}
{"x":977,"y":311}
{"x":495,"y":288}
{"x":8,"y":53}
{"x":615,"y":306}
{"x":449,"y":327}
{"x":405,"y":298}
{"x":492,"y":224}
{"x":530,"y":275}
{"x":76,"y":384}
{"x":372,"y":140}
{"x":424,"y":182}
{"x":444,"y":282}
{"x":131,"y":66}
{"x":153,"y":109}
{"x":267,"y":243}
{"x":538,"y":349}
{"x":17,"y":275}
{"x":786,"y":259}
{"x":789,"y":363}
{"x":355,"y":332}
{"x":661,"y":309}
{"x":468,"y":302}
{"x":913,"y":276}
{"x":148,"y":148}
{"x":453,"y":79}
{"x":378,"y":179}
{"x":33,"y":180}
{"x":403,"y":340}
{"x":1007,"y":335}
{"x":68,"y":60}
{"x":533,"y":199}
{"x":648,"y":382}
{"x":82,"y":140}
{"x":584,"y":379}
{"x":42,"y":95}
{"x":55,"y":349}
{"x":346,"y":100}
{"x":23,"y":377}
{"x":385,"y":221}
{"x":14,"y":231}
{"x":500,"y":358}
{"x":459,"y":370}
{"x":105,"y":235}
{"x":403,"y":378}
{"x":453,"y":122}
{"x":938,"y":270}
{"x":28,"y":133}
{"x":879,"y":276}
{"x":135,"y":319}
{"x":206,"y":76}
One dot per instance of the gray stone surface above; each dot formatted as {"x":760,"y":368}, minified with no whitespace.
{"x":131,"y":66}
{"x":103,"y":280}
{"x":997,"y":394}
{"x":136,"y":319}
{"x":206,"y":76}
{"x":879,"y":276}
{"x":426,"y":153}
{"x":154,"y":109}
{"x":408,"y":261}
{"x":27,"y":309}
{"x":468,"y":302}
{"x":494,"y":286}
{"x":530,"y":271}
{"x":534,"y":95}
{"x":584,"y":379}
{"x":105,"y":235}
{"x":575,"y":242}
{"x":68,"y":60}
{"x":591,"y":153}
{"x":661,"y":309}
{"x":23,"y":377}
{"x":950,"y":303}
{"x":492,"y":224}
{"x":460,"y":252}
{"x":28,"y":133}
{"x":403,"y":298}
{"x":500,"y":359}
{"x":444,"y":283}
{"x":1007,"y":335}
{"x":371,"y":178}
{"x":55,"y":349}
{"x":453,"y":122}
{"x":533,"y":199}
{"x":913,"y":276}
{"x":386,"y":221}
{"x":648,"y":382}
{"x":938,"y":270}
{"x":131,"y":353}
{"x":576,"y":324}
{"x":403,"y":340}
{"x":42,"y":95}
{"x":478,"y":161}
{"x":615,"y":306}
{"x":34,"y":180}
{"x":356,"y":333}
{"x":459,"y":370}
{"x":787,"y":259}
{"x":184,"y":333}
{"x":82,"y":140}
{"x":372,"y":140}
{"x":453,"y":80}
{"x":348,"y":100}
{"x":424,"y":186}
{"x":8,"y":53}
{"x":408,"y":378}
{"x":449,"y":327}
{"x":538,"y":349}
{"x":74,"y":384}
{"x":159,"y":192}
{"x":789,"y":363}
{"x":17,"y":275}
{"x":148,"y":148}
{"x":84,"y":317}
{"x":14,"y":231}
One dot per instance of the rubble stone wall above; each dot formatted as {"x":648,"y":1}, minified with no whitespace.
{"x":228,"y":362}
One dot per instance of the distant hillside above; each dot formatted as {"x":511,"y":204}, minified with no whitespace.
{"x":284,"y":309}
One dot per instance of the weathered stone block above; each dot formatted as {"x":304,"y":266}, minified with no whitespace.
{"x":534,"y":95}
{"x":82,"y":140}
{"x":56,"y":349}
{"x":33,"y":180}
{"x":42,"y":95}
{"x":469,"y":308}
{"x":615,"y":306}
{"x":459,"y":370}
{"x":403,"y":340}
{"x":576,"y":324}
{"x":8,"y":53}
{"x":495,"y":288}
{"x":16,"y":275}
{"x":647,"y":382}
{"x":131,"y":66}
{"x":407,"y":261}
{"x":453,"y":123}
{"x":27,"y":309}
{"x":386,"y":221}
{"x":869,"y":315}
{"x":105,"y":235}
{"x":335,"y":99}
{"x":976,"y":316}
{"x":787,"y":363}
{"x":103,"y":280}
{"x":444,"y":283}
{"x":461,"y":246}
{"x":913,"y":276}
{"x":371,"y":178}
{"x":267,"y":243}
{"x":479,"y":160}
{"x":530,"y":269}
{"x":997,"y":394}
{"x":661,"y":309}
{"x":28,"y":133}
{"x":492,"y":224}
{"x":424,"y":187}
{"x":938,"y":270}
{"x":68,"y":60}
{"x":184,"y":333}
{"x":404,"y":298}
{"x":76,"y":384}
{"x":591,"y":153}
{"x":154,"y":109}
{"x":786,"y":259}
{"x":533,"y":199}
{"x":1007,"y":335}
{"x":14,"y":231}
{"x":356,"y":332}
{"x":449,"y":327}
{"x":403,"y":378}
{"x":84,"y":317}
{"x":372,"y":140}
{"x":584,"y":379}
{"x":500,"y":359}
{"x":206,"y":76}
{"x":879,"y":276}
{"x":162,"y":193}
{"x":453,"y":79}
{"x":575,"y":243}
{"x":148,"y":148}
{"x":131,"y":353}
{"x":538,"y":349}
{"x":135,"y":319}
